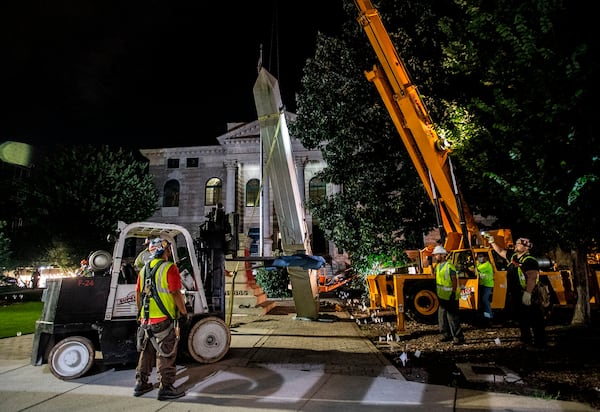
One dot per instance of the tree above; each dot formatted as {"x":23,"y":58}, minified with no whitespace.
{"x":5,"y":250}
{"x":382,"y":208}
{"x":366,"y":165}
{"x":527,"y":68}
{"x":74,"y":198}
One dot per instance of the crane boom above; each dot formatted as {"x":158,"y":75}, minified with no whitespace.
{"x":428,"y":152}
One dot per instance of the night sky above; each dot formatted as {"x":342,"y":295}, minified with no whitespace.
{"x":147,"y":73}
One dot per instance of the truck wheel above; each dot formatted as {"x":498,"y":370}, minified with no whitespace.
{"x":209,"y":340}
{"x":423,"y":303}
{"x":71,"y":358}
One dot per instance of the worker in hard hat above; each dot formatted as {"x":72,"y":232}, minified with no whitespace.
{"x":522,"y":275}
{"x":448,"y":294}
{"x":84,"y":269}
{"x":160,"y":305}
{"x":143,"y":257}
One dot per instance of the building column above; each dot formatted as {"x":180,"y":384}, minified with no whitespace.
{"x":300,"y":162}
{"x":231,"y":166}
{"x":267,"y":229}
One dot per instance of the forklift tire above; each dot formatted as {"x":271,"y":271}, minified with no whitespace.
{"x":71,"y":358}
{"x":423,"y":303}
{"x":209,"y":340}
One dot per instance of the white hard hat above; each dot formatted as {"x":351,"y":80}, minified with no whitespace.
{"x":157,"y":247}
{"x":439,"y":250}
{"x":525,"y":242}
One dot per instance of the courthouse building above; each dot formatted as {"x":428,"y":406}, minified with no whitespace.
{"x":194,"y":180}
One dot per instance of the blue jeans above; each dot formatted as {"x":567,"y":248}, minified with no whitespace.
{"x":485,"y":295}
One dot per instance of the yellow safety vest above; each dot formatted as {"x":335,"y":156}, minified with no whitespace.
{"x":162,"y":288}
{"x":443,"y":280}
{"x":522,"y":279}
{"x":486,"y":274}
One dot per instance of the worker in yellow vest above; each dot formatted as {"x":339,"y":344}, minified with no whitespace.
{"x":486,"y":287}
{"x":522,"y":278}
{"x":160,"y":305}
{"x":448,"y":294}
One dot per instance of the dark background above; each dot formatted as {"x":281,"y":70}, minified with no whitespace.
{"x":147,"y":73}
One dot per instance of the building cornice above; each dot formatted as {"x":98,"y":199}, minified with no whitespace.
{"x":184,"y":151}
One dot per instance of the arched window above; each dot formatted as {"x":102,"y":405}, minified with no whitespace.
{"x":252,"y":193}
{"x":171,"y":194}
{"x":317,"y":190}
{"x":213,"y":192}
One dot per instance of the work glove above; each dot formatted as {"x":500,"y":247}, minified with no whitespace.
{"x":526,"y":299}
{"x":488,"y":237}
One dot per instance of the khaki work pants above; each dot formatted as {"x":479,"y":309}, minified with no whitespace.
{"x":165,"y":366}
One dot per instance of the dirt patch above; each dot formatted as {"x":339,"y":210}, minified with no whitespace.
{"x":493,"y":358}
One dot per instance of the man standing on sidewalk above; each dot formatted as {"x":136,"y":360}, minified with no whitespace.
{"x":160,"y":304}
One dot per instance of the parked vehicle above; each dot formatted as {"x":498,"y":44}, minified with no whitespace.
{"x":7,"y":281}
{"x":82,"y":315}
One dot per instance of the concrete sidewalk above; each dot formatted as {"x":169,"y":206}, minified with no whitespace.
{"x":276,"y":363}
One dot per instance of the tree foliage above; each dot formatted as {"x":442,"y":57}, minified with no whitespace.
{"x":367,"y":165}
{"x":340,"y":113}
{"x":74,"y":197}
{"x":274,"y":282}
{"x":528,"y":68}
{"x":5,"y":249}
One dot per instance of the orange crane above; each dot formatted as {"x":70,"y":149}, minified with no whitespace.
{"x":412,"y":290}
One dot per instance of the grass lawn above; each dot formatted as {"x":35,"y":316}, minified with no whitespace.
{"x":19,"y":317}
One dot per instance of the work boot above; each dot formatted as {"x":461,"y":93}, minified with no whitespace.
{"x":169,"y":392}
{"x":458,"y":341}
{"x":142,"y":388}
